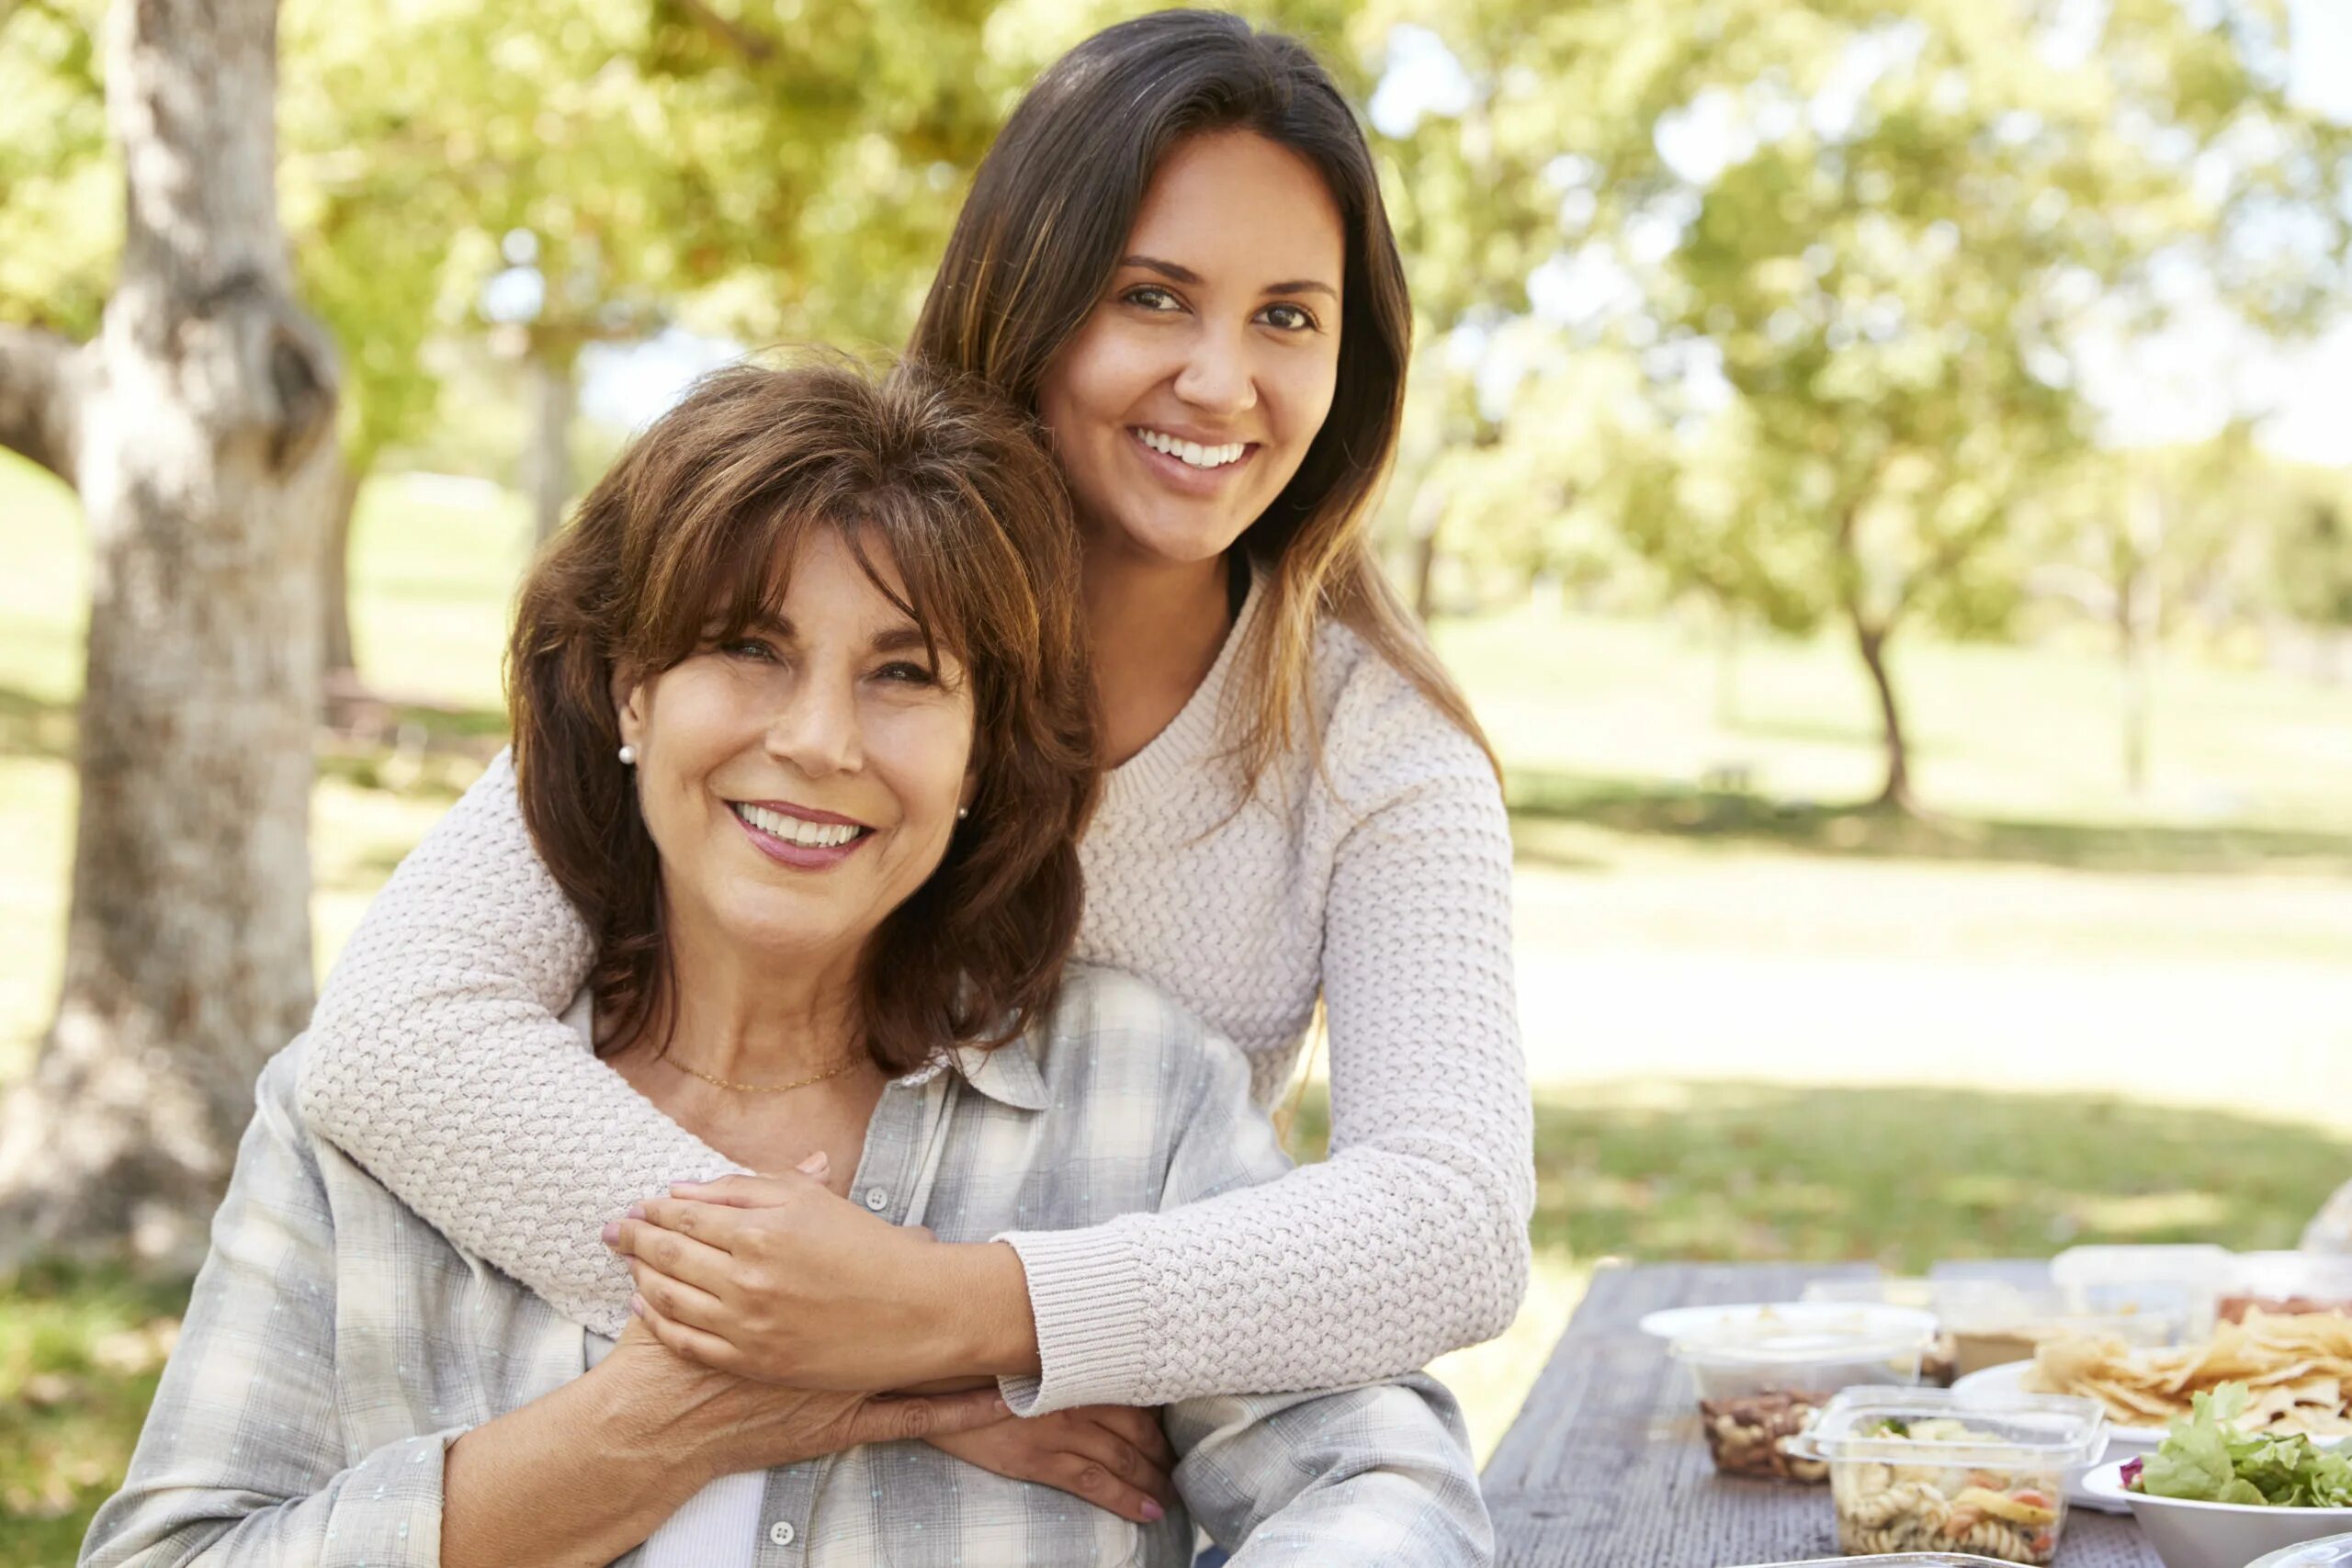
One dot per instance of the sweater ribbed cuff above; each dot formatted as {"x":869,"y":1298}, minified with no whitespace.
{"x":1085,"y":1290}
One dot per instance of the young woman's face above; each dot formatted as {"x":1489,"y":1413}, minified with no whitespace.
{"x":1189,"y":398}
{"x":801,"y":780}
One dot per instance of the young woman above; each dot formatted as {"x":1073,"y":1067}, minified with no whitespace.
{"x":802,"y":597}
{"x":1177,"y":257}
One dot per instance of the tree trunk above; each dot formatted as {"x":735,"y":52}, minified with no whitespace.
{"x":1428,"y":517}
{"x":337,"y":663}
{"x":1870,"y":639}
{"x":202,"y":448}
{"x":2138,"y":610}
{"x":1726,"y":662}
{"x":547,"y":462}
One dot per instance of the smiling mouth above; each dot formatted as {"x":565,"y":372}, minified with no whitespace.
{"x":797,"y":830}
{"x":1192,"y":454}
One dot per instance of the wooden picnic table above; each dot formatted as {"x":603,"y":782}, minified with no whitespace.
{"x":1605,"y":1468}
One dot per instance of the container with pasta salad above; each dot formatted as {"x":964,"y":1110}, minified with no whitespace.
{"x":1932,"y":1470}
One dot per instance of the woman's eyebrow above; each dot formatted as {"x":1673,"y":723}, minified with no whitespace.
{"x":900,"y":639}
{"x":1177,"y":274}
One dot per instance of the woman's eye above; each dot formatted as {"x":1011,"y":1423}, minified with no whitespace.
{"x":1152,"y":298}
{"x":1290,"y":318}
{"x":746,"y":647}
{"x":907,"y":674}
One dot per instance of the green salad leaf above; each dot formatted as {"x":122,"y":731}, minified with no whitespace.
{"x":2206,"y":1459}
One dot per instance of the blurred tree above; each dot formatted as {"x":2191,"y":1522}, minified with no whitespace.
{"x":2313,"y":556}
{"x":196,"y":426}
{"x":1888,"y":235}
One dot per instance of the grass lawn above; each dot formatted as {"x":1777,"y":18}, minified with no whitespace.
{"x":1761,"y":1024}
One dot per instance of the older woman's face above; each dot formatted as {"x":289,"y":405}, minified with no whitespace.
{"x":801,"y":781}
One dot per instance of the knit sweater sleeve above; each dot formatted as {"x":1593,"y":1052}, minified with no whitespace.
{"x":437,"y":1061}
{"x":1410,"y":1240}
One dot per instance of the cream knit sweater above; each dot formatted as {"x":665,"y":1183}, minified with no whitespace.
{"x":1381,"y":882}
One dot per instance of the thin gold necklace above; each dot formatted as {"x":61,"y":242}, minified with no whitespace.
{"x":765,"y":1087}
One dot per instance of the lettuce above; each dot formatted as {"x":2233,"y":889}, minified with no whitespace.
{"x":2205,"y":1459}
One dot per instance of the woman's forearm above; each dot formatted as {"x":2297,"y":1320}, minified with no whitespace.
{"x":580,"y":1475}
{"x":981,"y":1301}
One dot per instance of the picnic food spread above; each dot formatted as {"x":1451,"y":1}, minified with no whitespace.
{"x":2296,"y":1369}
{"x":1903,"y":1508}
{"x":2207,"y":1457}
{"x":1762,"y":1373}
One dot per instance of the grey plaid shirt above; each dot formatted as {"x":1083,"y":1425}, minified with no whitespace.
{"x":336,"y":1344}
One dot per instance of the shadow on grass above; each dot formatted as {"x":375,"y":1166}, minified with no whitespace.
{"x":1863,"y":833}
{"x":1902,"y":1176}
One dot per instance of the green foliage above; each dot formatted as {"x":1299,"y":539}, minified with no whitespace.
{"x":60,"y":219}
{"x":2314,"y":564}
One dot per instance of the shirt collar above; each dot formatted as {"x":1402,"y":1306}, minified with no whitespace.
{"x":1008,"y":1075}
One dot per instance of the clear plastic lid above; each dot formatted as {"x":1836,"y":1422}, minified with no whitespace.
{"x":2005,"y":1431}
{"x":1891,"y":1560}
{"x":2143,"y":1314}
{"x":1808,"y":1334}
{"x":2334,"y":1551}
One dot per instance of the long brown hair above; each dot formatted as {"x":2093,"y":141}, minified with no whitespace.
{"x":680,"y":547}
{"x":1042,"y":233}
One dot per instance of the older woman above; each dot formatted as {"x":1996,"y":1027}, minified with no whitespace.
{"x":802,"y":732}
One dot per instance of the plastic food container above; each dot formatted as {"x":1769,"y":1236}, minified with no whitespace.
{"x":1940,"y":1364}
{"x":1993,"y":1324}
{"x":1903,"y":1560}
{"x":1763,"y":1378}
{"x":2110,"y":1279}
{"x":2286,"y":1282}
{"x":1925,"y":1469}
{"x":2335,"y":1552}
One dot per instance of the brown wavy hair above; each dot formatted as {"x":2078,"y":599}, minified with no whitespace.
{"x":685,"y":541}
{"x":1039,"y":238}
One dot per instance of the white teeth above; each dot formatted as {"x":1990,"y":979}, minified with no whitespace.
{"x":793,"y":830}
{"x":1191,"y":452}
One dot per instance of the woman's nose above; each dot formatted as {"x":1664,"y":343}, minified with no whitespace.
{"x":817,"y":730}
{"x":1217,"y":376}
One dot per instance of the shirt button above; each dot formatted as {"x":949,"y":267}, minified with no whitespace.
{"x":781,"y":1532}
{"x":877,"y":1200}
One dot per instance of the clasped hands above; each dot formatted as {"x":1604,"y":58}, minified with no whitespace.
{"x":778,"y":1279}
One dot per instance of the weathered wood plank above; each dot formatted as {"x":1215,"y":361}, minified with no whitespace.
{"x":1605,"y":1468}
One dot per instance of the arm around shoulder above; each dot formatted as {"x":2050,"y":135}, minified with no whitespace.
{"x":439,"y":1062}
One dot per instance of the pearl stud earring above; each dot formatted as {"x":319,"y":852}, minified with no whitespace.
{"x":629,"y":756}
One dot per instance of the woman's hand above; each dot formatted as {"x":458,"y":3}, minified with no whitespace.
{"x":1114,"y":1457}
{"x":778,"y":1278}
{"x":722,"y":1425}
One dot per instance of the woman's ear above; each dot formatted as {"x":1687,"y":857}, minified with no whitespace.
{"x":628,"y":708}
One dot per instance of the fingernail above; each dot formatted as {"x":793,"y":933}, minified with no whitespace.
{"x":612,"y":1232}
{"x":636,"y":1210}
{"x":1153,"y":1511}
{"x":814,"y":1164}
{"x":1002,"y":1408}
{"x":636,"y":1306}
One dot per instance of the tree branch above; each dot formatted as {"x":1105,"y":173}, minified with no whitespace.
{"x":752,"y":45}
{"x":41,"y":386}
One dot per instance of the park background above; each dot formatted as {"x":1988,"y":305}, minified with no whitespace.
{"x":1879,"y":469}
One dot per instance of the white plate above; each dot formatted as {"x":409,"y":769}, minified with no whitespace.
{"x":1798,"y":1318}
{"x":2122,"y":1442}
{"x":2214,"y":1535}
{"x":2009,"y":1378}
